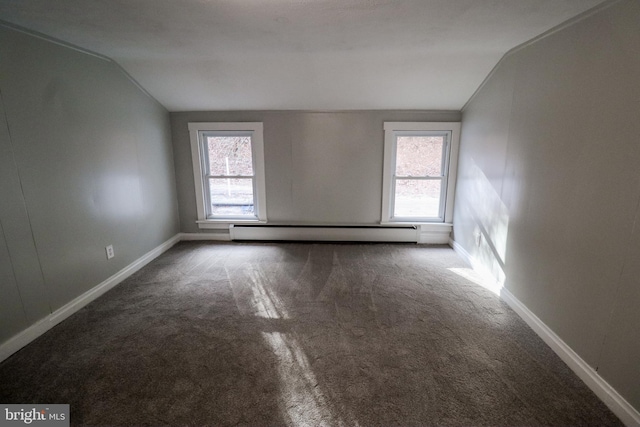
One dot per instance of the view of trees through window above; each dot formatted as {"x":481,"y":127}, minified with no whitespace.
{"x":230,"y":175}
{"x":418,"y":176}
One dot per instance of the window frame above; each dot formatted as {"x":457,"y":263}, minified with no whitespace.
{"x":197,"y":133}
{"x":392,"y":130}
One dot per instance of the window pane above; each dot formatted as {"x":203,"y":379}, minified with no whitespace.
{"x":418,"y":198}
{"x":419,"y":155}
{"x":230,"y":155}
{"x":231,"y":196}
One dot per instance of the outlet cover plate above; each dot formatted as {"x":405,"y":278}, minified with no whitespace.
{"x":110,"y":253}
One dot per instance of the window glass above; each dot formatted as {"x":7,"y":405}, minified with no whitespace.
{"x":417,"y":198}
{"x":419,"y":155}
{"x":229,"y":155}
{"x":231,"y":196}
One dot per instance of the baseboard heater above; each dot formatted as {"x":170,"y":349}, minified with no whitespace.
{"x":324,"y":233}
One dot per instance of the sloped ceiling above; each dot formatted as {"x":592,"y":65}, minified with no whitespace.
{"x":299,"y":54}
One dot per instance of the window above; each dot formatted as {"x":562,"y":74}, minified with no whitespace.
{"x":228,"y":166}
{"x":419,"y":171}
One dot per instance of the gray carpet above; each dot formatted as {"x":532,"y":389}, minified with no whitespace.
{"x":301,"y":335}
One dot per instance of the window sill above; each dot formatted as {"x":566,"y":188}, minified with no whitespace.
{"x":209,"y":224}
{"x":422,"y":225}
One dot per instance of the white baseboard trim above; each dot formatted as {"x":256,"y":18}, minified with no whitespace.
{"x":460,"y":251}
{"x":614,"y":401}
{"x":206,"y":236}
{"x":618,"y":405}
{"x":483,"y":271}
{"x":23,"y":338}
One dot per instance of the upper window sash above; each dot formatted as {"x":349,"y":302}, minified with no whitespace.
{"x":444,"y":165}
{"x":204,"y":152}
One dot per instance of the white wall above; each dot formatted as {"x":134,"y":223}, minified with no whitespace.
{"x":321,"y":167}
{"x":549,"y":180}
{"x":85,"y":161}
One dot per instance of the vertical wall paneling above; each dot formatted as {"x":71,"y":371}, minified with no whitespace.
{"x":85,"y":161}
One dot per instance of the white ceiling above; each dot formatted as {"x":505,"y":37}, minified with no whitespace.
{"x":299,"y":54}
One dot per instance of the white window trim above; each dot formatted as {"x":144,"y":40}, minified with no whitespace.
{"x":257,"y":149}
{"x":390,"y":129}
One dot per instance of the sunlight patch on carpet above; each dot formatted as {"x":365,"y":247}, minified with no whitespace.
{"x":302,"y":401}
{"x":477,"y":278}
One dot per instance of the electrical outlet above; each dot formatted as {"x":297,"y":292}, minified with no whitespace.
{"x":478,"y":236}
{"x":110,"y":253}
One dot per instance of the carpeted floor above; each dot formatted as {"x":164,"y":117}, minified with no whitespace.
{"x":301,"y":335}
